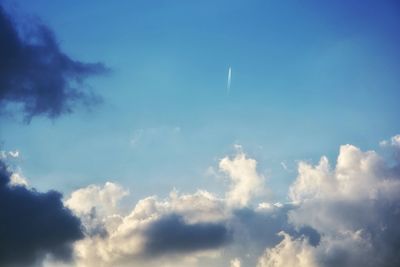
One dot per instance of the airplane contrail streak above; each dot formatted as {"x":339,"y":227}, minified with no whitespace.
{"x":228,"y":86}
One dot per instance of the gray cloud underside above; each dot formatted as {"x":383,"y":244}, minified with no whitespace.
{"x":171,"y":234}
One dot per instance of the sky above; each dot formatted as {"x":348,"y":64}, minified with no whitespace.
{"x":200,"y":133}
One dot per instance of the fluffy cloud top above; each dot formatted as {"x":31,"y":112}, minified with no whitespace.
{"x":246,"y":182}
{"x":288,"y":252}
{"x":235,"y":263}
{"x":103,"y":199}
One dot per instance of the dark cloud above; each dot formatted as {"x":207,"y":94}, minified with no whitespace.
{"x":259,"y":228}
{"x":254,"y":230}
{"x":171,"y":234}
{"x":33,"y":224}
{"x":36,"y":75}
{"x":310,"y":233}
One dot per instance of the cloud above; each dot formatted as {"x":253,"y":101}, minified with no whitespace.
{"x":289,"y":252}
{"x":354,"y":207}
{"x":190,"y":225}
{"x":14,"y":154}
{"x":256,"y":229}
{"x":246,"y":182}
{"x":35,"y":75}
{"x":9,"y":154}
{"x":16,"y":179}
{"x":103,"y":199}
{"x":94,"y":205}
{"x":33,"y":224}
{"x":183,"y":229}
{"x":235,"y":263}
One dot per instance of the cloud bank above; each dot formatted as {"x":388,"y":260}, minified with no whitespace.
{"x":35,"y":75}
{"x":346,"y":215}
{"x":341,"y":215}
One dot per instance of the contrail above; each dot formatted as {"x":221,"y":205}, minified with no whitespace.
{"x":228,"y":86}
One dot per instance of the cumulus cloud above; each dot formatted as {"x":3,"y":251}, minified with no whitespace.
{"x":289,"y":252}
{"x":35,"y":74}
{"x":186,"y":229}
{"x":33,"y":224}
{"x":353,"y":206}
{"x":187,"y":225}
{"x":246,"y":181}
{"x":104,"y":199}
{"x":235,"y":263}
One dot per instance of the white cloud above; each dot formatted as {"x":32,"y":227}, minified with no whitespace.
{"x":104,"y":199}
{"x":235,"y":263}
{"x":310,"y":180}
{"x":14,"y":154}
{"x":289,"y":252}
{"x":245,"y":181}
{"x":8,"y":154}
{"x":17,"y":179}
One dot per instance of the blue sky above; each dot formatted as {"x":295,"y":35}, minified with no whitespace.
{"x":306,"y":77}
{"x":122,"y":145}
